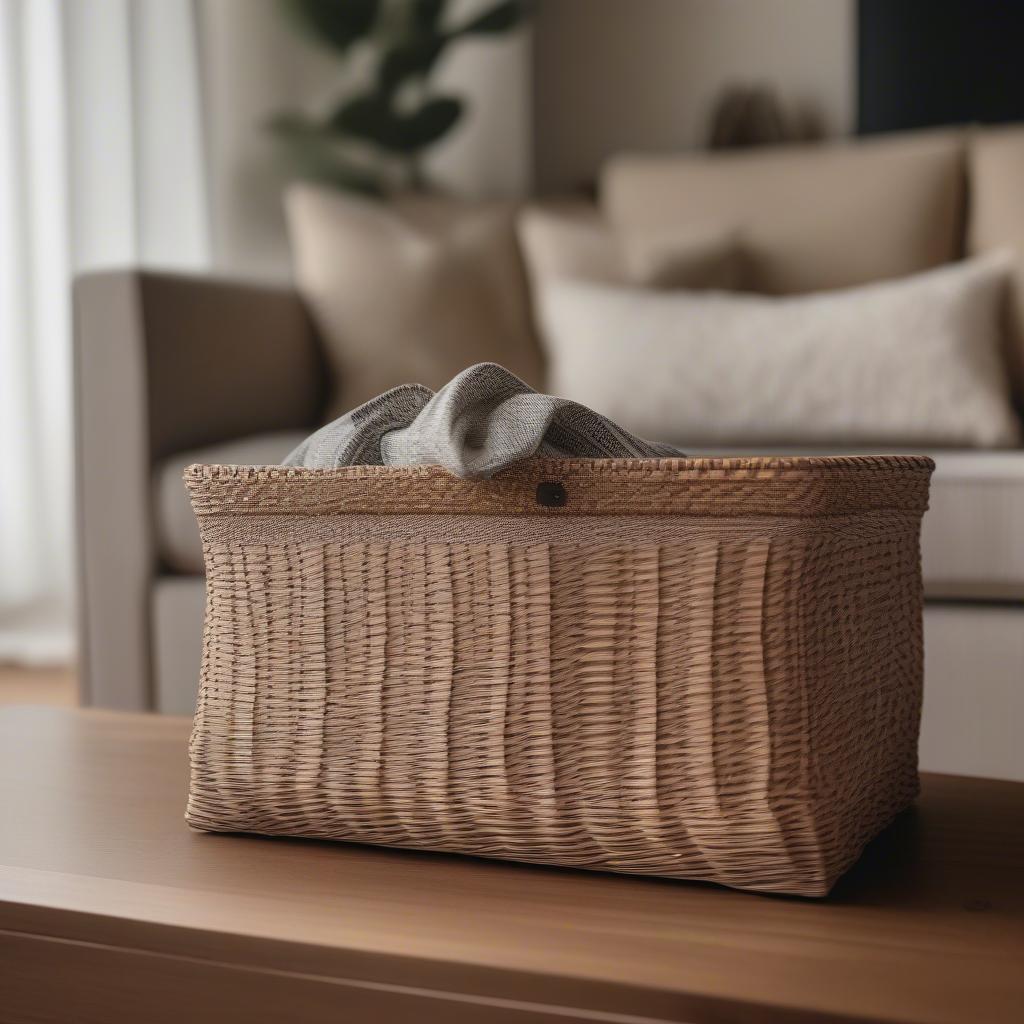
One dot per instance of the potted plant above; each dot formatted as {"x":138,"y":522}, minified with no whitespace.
{"x":373,"y":140}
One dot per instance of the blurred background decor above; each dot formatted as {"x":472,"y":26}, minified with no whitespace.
{"x":374,"y":136}
{"x":754,"y":115}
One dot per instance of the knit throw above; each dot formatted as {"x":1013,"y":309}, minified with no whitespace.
{"x":480,"y":422}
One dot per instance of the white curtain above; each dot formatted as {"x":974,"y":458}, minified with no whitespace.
{"x":101,"y":164}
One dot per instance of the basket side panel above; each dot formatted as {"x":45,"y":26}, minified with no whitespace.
{"x":612,"y":705}
{"x":714,"y":673}
{"x":861,"y":637}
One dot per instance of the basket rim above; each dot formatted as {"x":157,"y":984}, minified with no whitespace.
{"x":766,"y":467}
{"x":785,"y":485}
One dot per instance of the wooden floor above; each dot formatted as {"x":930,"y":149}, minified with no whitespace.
{"x":57,"y":687}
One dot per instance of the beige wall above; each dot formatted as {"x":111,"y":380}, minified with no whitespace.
{"x":491,"y":152}
{"x":642,"y":74}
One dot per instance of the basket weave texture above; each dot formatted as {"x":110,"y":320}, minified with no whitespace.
{"x":696,"y":668}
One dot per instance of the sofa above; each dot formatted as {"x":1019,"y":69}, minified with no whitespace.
{"x":172,"y":369}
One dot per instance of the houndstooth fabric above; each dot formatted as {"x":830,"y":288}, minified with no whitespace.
{"x":480,"y":422}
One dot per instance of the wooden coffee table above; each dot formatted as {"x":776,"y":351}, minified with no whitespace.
{"x":111,"y":909}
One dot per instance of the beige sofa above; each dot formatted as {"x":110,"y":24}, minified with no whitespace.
{"x":175,"y":369}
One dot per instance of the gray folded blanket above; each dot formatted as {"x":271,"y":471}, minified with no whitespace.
{"x":480,"y":422}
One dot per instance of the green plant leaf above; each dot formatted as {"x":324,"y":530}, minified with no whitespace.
{"x":371,"y":118}
{"x":414,"y":59}
{"x":502,"y":17}
{"x":335,"y":23}
{"x":348,"y":178}
{"x":312,"y":149}
{"x":427,"y":14}
{"x":431,"y":122}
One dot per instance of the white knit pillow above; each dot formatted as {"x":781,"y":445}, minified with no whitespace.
{"x":906,"y":362}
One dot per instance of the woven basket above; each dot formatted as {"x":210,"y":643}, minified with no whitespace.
{"x":698,"y":668}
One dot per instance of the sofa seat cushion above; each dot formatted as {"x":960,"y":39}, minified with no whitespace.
{"x":177,"y":536}
{"x":972,"y":537}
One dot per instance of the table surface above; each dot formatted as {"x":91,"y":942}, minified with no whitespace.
{"x":107,"y":899}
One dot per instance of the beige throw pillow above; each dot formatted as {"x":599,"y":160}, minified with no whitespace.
{"x":909,"y":362}
{"x":573,"y":242}
{"x":410,"y":292}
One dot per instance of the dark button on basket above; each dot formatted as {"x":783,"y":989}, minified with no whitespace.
{"x":551,"y":494}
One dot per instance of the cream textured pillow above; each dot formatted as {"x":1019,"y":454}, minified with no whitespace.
{"x":573,"y":242}
{"x":410,"y":292}
{"x":914,"y":361}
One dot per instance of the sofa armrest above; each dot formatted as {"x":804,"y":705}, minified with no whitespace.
{"x":165,"y":362}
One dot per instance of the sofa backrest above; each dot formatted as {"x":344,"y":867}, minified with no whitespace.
{"x":808,"y":218}
{"x":996,"y":221}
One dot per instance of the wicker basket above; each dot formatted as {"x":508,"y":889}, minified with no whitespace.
{"x":698,"y":668}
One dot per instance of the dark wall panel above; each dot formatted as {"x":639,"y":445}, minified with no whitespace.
{"x":932,"y":62}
